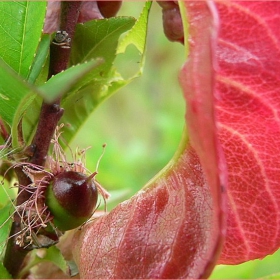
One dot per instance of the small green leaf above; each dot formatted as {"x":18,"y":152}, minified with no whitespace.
{"x":51,"y":254}
{"x":21,"y":27}
{"x":15,"y":97}
{"x":12,"y":90}
{"x":137,"y":35}
{"x":4,"y":274}
{"x":25,"y":107}
{"x":99,"y":38}
{"x":54,"y":255}
{"x":68,"y":80}
{"x":40,"y":58}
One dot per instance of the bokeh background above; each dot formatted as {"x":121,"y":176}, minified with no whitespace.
{"x":142,"y":126}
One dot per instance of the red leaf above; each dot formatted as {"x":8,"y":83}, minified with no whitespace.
{"x":248,"y":113}
{"x":173,"y":227}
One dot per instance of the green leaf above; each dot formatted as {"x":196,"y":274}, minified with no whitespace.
{"x":25,"y":107}
{"x":4,"y":274}
{"x":15,"y":98}
{"x":67,"y":81}
{"x":12,"y":90}
{"x":30,"y":117}
{"x":103,"y":43}
{"x":21,"y":27}
{"x":5,"y":224}
{"x":99,"y":38}
{"x":54,"y":255}
{"x":40,"y":58}
{"x":61,"y":83}
{"x":137,"y":35}
{"x":94,"y":39}
{"x":51,"y":254}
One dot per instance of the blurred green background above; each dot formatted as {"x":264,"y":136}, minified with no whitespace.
{"x":142,"y":126}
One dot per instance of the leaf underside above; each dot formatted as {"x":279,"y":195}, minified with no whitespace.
{"x":248,"y":86}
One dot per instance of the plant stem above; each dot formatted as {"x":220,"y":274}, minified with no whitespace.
{"x":49,"y":117}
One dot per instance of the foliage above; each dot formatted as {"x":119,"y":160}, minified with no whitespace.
{"x":98,"y":75}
